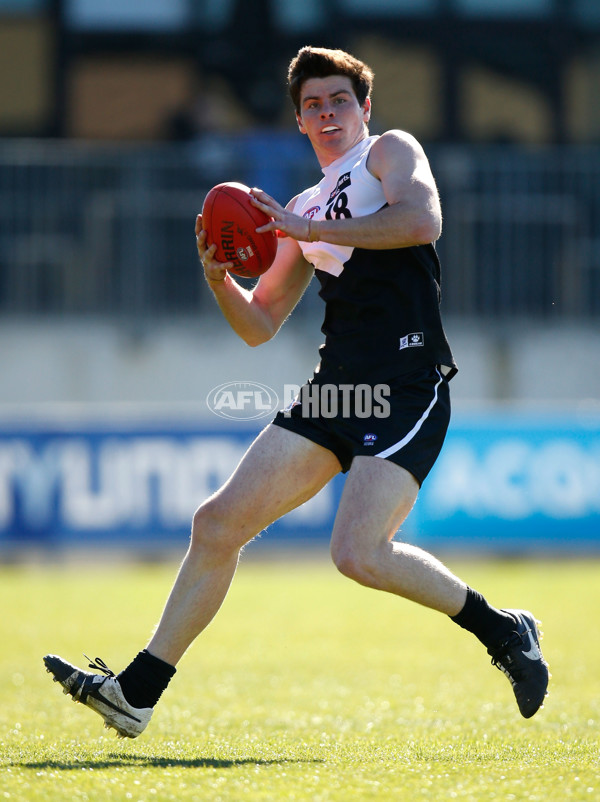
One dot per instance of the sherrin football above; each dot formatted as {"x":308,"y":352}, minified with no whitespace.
{"x":230,"y":220}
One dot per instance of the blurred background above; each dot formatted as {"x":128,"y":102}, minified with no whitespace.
{"x":117,"y":116}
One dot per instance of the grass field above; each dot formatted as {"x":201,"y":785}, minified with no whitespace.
{"x":306,"y":687}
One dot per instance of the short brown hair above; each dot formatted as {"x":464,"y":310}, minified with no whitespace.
{"x":320,"y":62}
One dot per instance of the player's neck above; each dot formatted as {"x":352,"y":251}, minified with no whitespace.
{"x":328,"y":157}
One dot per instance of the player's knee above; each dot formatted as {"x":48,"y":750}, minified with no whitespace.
{"x":350,"y":560}
{"x":209,"y":529}
{"x":220,"y":529}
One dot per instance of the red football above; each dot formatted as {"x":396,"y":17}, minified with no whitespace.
{"x":230,"y":220}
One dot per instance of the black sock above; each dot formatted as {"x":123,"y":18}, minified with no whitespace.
{"x":144,"y":679}
{"x":487,"y":623}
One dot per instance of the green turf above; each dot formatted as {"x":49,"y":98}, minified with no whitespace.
{"x":306,"y":687}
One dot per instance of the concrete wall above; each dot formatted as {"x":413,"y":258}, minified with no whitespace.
{"x":175,"y":363}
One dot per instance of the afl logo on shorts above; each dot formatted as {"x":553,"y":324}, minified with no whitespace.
{"x":369,"y":439}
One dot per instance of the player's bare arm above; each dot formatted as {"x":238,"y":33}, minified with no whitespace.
{"x":413,"y":216}
{"x":257,"y":315}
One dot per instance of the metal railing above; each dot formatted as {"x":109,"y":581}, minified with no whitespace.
{"x":522,"y":231}
{"x":109,"y":229}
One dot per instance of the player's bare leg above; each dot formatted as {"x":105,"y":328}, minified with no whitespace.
{"x":377,"y":498}
{"x":280,"y":471}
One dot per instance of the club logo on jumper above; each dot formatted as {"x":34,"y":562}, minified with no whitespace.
{"x":310,"y":213}
{"x":343,"y":182}
{"x":412,"y":340}
{"x":242,"y":400}
{"x":369,"y":439}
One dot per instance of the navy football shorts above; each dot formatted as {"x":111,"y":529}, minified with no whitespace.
{"x":404,"y":420}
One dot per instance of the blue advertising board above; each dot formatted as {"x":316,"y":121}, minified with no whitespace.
{"x":503,"y":483}
{"x":510,"y":482}
{"x":124,"y":484}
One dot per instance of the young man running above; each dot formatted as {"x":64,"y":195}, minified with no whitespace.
{"x":367,"y":232}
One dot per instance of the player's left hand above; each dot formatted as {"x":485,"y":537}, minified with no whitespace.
{"x":284,"y":222}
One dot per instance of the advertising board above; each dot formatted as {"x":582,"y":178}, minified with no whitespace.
{"x":504,"y":483}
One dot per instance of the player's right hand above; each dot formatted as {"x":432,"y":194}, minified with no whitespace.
{"x":213,"y":270}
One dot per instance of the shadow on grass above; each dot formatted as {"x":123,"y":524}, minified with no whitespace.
{"x":112,"y":761}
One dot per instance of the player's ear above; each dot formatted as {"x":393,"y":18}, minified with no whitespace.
{"x":367,"y":110}
{"x":300,"y":124}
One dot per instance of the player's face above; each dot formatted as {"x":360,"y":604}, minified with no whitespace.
{"x":331,"y":116}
